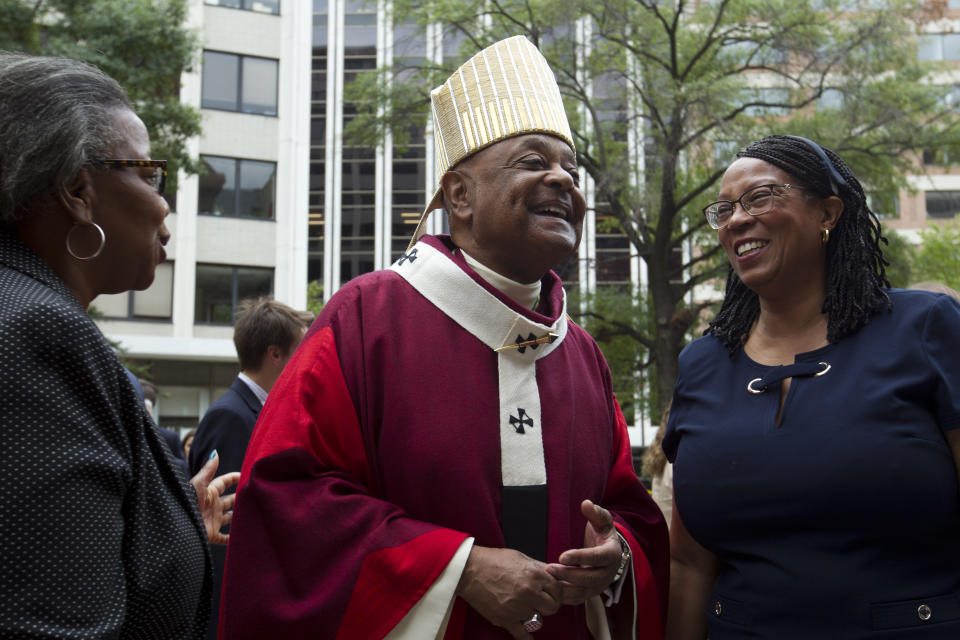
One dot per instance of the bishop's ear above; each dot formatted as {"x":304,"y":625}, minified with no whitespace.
{"x":78,"y":196}
{"x":457,"y":188}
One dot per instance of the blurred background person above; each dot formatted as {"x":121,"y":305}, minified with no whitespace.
{"x":266,"y":333}
{"x":101,"y":534}
{"x":815,"y":428}
{"x":150,"y":395}
{"x":936,"y":287}
{"x":660,"y":470}
{"x":188,"y":442}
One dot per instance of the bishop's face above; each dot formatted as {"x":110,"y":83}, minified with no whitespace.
{"x":523,"y":209}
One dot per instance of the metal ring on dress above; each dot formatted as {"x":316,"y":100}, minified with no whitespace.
{"x":826,"y":367}
{"x":535,"y":623}
{"x":752,"y":390}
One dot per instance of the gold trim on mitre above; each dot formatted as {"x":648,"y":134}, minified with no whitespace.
{"x":506,"y":90}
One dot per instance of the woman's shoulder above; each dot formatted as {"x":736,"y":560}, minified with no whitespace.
{"x":912,"y":307}
{"x":704,"y":349}
{"x":35,"y":317}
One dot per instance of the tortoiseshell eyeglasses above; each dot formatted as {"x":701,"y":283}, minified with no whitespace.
{"x":159,"y":170}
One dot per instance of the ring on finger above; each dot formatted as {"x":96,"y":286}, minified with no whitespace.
{"x":533,"y":623}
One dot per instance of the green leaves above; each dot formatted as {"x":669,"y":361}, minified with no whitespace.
{"x":141,"y":43}
{"x":660,"y":95}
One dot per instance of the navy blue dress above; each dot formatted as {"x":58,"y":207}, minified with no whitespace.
{"x":843,"y":521}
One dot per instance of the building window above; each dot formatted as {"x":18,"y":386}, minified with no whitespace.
{"x":942,"y":204}
{"x":239,"y":83}
{"x":938,"y":46}
{"x":831,"y":99}
{"x":613,"y":251}
{"x":221,"y":287}
{"x":885,"y":206}
{"x":237,"y":188}
{"x":155,"y":303}
{"x":260,"y":6}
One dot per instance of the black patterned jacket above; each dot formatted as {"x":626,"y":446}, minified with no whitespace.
{"x":100,"y":536}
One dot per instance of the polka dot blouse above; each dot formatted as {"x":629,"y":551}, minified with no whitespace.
{"x":99,"y":535}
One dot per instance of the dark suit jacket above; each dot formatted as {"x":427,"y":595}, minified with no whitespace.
{"x":101,"y":534}
{"x":226,"y":427}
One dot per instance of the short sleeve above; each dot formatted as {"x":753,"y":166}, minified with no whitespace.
{"x":941,"y":342}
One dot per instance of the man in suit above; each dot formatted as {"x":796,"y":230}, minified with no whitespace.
{"x":266,"y":333}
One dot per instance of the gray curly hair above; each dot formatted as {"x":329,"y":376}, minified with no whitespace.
{"x":56,"y":116}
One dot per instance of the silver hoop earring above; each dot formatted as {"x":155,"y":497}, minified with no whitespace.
{"x":103,"y":241}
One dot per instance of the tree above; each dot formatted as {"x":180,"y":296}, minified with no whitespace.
{"x":938,"y":257}
{"x":661,"y":94}
{"x":901,"y":255}
{"x":140,"y":43}
{"x":315,"y":297}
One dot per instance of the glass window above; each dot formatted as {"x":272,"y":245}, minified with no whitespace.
{"x":219,"y":194}
{"x":217,"y":186}
{"x":263,"y":6}
{"x":830,"y":99}
{"x":613,"y":252}
{"x":257,"y":189}
{"x":221,"y":287}
{"x":259,"y":86}
{"x":951,"y":46}
{"x":938,"y":46}
{"x":115,"y":305}
{"x":942,"y":204}
{"x":239,"y":83}
{"x":154,"y":303}
{"x":157,"y":301}
{"x":928,"y":47}
{"x":260,"y":6}
{"x":221,"y":78}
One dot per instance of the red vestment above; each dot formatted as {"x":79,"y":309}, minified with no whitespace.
{"x":389,"y":440}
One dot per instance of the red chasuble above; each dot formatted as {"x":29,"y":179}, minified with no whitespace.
{"x":423,"y":412}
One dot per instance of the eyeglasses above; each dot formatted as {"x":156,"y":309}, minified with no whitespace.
{"x":159,"y":170}
{"x":756,"y":202}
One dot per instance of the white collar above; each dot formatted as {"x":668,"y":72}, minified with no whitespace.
{"x":257,"y":389}
{"x":526,"y":295}
{"x":448,"y":286}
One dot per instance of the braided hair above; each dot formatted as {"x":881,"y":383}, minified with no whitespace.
{"x":855,"y":264}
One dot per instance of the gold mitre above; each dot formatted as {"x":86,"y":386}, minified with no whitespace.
{"x":506,"y":90}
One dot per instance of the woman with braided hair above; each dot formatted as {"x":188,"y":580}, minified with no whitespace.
{"x":815,"y":428}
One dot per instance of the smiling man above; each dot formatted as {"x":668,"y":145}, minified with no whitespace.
{"x":443,"y":457}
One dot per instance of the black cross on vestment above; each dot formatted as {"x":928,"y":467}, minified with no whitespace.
{"x":410,"y":255}
{"x":520,"y":340}
{"x":523,"y":419}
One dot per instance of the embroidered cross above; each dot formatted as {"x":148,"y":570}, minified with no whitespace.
{"x":522,"y":344}
{"x":519,"y":422}
{"x":532,"y":341}
{"x":411,"y":256}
